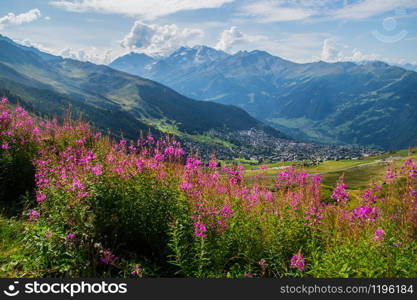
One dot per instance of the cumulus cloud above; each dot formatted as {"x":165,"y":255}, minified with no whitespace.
{"x":145,"y":8}
{"x":232,"y":37}
{"x":91,"y":54}
{"x":159,"y":40}
{"x":331,"y":53}
{"x":13,"y":19}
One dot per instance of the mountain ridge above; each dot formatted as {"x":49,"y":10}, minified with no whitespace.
{"x":314,"y":101}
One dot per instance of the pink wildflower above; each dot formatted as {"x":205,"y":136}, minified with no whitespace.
{"x":108,"y":258}
{"x":200,"y":229}
{"x":298,"y":262}
{"x":40,"y":197}
{"x":70,"y":236}
{"x":340,"y":194}
{"x":97,"y":170}
{"x":34,"y":215}
{"x":379,"y":234}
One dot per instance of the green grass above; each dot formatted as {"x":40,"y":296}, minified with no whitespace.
{"x":358,"y":174}
{"x":167,"y":127}
{"x":11,"y":248}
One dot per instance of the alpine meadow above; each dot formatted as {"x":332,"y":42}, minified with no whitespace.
{"x":215,"y":139}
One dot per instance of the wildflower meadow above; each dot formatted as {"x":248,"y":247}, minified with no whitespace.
{"x":91,"y":206}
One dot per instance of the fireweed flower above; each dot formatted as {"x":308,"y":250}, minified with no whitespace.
{"x":285,"y":178}
{"x":340,"y":194}
{"x":390,"y":176}
{"x":262,"y":263}
{"x":200,"y":229}
{"x":213,"y":164}
{"x":364,"y":214}
{"x":108,"y":258}
{"x":296,"y":199}
{"x":40,"y":197}
{"x":268,"y":196}
{"x":34,"y":215}
{"x":379,"y":234}
{"x":97,"y":170}
{"x":298,"y":262}
{"x":5,"y":146}
{"x":302,"y":178}
{"x":169,"y":151}
{"x":314,"y":187}
{"x":413,"y":194}
{"x":369,"y":197}
{"x":248,"y":275}
{"x":186,"y":186}
{"x":70,"y":236}
{"x":159,"y":157}
{"x":313,"y":216}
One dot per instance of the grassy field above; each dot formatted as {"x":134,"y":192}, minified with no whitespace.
{"x":357,"y":173}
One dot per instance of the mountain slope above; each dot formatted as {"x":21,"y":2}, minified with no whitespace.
{"x":102,"y":87}
{"x":368,"y":104}
{"x":126,"y":104}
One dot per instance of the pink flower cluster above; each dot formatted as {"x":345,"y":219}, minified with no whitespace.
{"x":364,"y":214}
{"x":108,"y":258}
{"x":298,"y":262}
{"x":379,"y":234}
{"x":291,"y":177}
{"x":340,"y":194}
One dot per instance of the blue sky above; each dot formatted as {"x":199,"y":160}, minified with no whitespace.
{"x":299,"y":30}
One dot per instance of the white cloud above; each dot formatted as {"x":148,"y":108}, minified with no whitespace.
{"x":13,"y":19}
{"x":91,"y":54}
{"x":147,"y":9}
{"x":267,"y":11}
{"x":276,"y":11}
{"x":231,"y":37}
{"x":329,"y":51}
{"x":368,"y":8}
{"x":159,"y":40}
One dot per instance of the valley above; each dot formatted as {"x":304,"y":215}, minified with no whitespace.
{"x":370,"y":104}
{"x":124,"y":105}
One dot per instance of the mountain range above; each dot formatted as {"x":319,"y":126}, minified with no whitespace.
{"x":368,"y":104}
{"x":122,"y":104}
